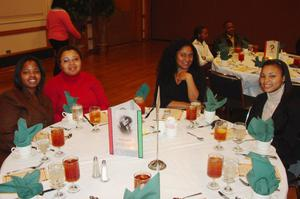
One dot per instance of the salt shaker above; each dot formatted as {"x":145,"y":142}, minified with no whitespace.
{"x":104,"y":175}
{"x":96,"y":170}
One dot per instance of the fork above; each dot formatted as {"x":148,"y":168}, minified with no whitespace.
{"x":247,"y":184}
{"x":199,"y":138}
{"x":188,"y":196}
{"x":32,"y":167}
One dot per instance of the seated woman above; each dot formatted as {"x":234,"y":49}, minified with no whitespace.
{"x":180,"y":78}
{"x":200,"y":37}
{"x":280,"y":103}
{"x":25,"y":100}
{"x":82,"y":85}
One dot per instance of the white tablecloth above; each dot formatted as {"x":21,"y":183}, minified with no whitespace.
{"x":185,"y":156}
{"x":248,"y":73}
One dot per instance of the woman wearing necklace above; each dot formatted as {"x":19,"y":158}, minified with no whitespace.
{"x":180,"y":78}
{"x":59,"y":26}
{"x":280,"y":103}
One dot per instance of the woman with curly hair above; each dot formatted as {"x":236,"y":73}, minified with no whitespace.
{"x":180,"y":78}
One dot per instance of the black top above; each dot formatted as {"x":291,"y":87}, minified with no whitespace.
{"x":224,"y":39}
{"x":170,"y":91}
{"x":286,"y":123}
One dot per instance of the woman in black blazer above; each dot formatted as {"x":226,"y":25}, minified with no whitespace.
{"x":280,"y":103}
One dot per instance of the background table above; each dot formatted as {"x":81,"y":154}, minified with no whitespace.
{"x":248,"y":73}
{"x":185,"y":156}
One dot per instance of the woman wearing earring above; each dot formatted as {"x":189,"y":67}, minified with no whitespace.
{"x":280,"y":103}
{"x":180,"y":78}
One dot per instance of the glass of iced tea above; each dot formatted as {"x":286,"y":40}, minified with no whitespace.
{"x":220,"y":134}
{"x":77,"y":114}
{"x":214,"y":169}
{"x":57,"y":179}
{"x":140,"y":102}
{"x":191,"y":115}
{"x":95,"y":117}
{"x":58,"y":140}
{"x":72,"y":173}
{"x":141,"y":178}
{"x":241,"y":57}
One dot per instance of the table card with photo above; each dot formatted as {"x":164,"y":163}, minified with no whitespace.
{"x":272,"y":49}
{"x":125,"y":129}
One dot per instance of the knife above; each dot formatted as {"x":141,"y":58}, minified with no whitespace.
{"x":223,"y":195}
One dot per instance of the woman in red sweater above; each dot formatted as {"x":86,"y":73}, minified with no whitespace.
{"x":59,"y":26}
{"x":80,"y":84}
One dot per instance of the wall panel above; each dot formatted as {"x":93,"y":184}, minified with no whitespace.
{"x":257,"y":20}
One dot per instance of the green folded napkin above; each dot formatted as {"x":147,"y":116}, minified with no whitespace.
{"x":26,"y":187}
{"x":70,"y":102}
{"x":257,"y":62}
{"x":261,"y":130}
{"x":212,"y":104}
{"x":24,"y":135}
{"x":261,"y":177}
{"x":143,"y":91}
{"x":150,"y":191}
{"x":224,"y":51}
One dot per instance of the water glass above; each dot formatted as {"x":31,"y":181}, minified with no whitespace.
{"x":57,"y":179}
{"x":43,"y":145}
{"x":239,"y":133}
{"x":230,"y":170}
{"x":77,"y":114}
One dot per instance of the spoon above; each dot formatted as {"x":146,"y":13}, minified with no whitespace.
{"x":199,"y":138}
{"x":196,"y":194}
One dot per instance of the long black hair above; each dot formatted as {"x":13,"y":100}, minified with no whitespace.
{"x":168,"y":67}
{"x":59,"y":4}
{"x":17,"y":76}
{"x":284,"y":71}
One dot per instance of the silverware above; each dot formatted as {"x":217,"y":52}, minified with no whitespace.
{"x":196,"y":194}
{"x":247,"y":184}
{"x":223,"y":195}
{"x":248,"y":140}
{"x":32,"y":167}
{"x":67,"y":129}
{"x":47,"y":190}
{"x":211,"y":124}
{"x":87,"y":119}
{"x":147,"y":115}
{"x":93,"y":197}
{"x":34,"y":147}
{"x":199,"y":138}
{"x":267,"y":156}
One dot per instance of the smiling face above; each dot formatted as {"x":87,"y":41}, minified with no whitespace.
{"x":70,"y":62}
{"x":30,"y":75}
{"x":184,"y":57}
{"x":271,"y":78}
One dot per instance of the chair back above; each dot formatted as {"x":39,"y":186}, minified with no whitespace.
{"x":227,"y":86}
{"x":296,"y":88}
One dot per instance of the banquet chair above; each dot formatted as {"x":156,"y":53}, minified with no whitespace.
{"x":230,"y":86}
{"x":296,"y":88}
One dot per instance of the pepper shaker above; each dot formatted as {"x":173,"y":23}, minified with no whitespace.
{"x":104,"y":175}
{"x":96,"y":170}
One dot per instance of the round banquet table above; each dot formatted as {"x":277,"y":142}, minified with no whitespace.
{"x":185,"y":156}
{"x":247,"y":72}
